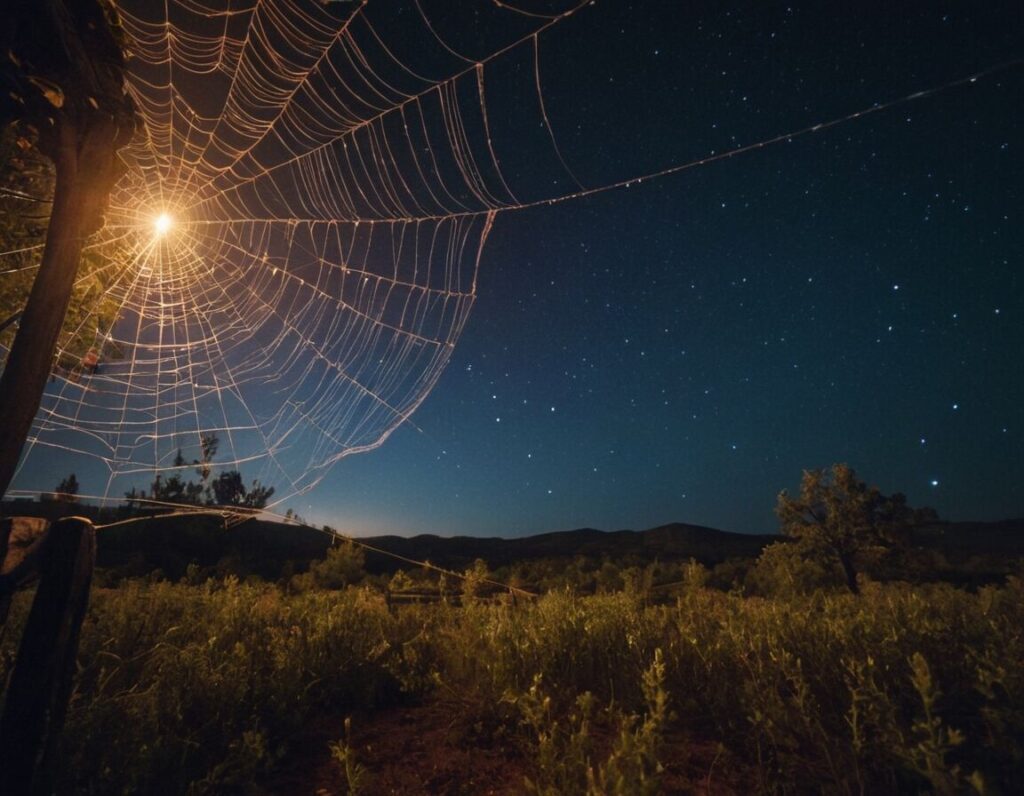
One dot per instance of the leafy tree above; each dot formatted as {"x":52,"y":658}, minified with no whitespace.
{"x":229,"y":490}
{"x":200,"y":492}
{"x":208,"y":445}
{"x":293,"y":516}
{"x":135,"y":497}
{"x":195,"y":492}
{"x":343,"y":566}
{"x":68,"y":488}
{"x":638,"y":581}
{"x":838,"y":519}
{"x":258,"y":496}
{"x":62,"y":82}
{"x":173,"y":489}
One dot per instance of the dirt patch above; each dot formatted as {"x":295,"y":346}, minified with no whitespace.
{"x":425,"y":749}
{"x":411,"y":750}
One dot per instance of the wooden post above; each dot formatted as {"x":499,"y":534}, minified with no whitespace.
{"x":40,"y":684}
{"x":6,"y":529}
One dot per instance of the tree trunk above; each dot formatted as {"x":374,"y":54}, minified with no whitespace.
{"x":84,"y":162}
{"x":850,"y":573}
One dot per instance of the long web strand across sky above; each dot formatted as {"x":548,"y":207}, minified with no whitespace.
{"x":293,"y":251}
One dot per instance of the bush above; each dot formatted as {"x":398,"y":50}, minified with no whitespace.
{"x":902,"y":688}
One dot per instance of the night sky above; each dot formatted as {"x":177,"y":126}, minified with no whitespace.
{"x":682,"y":349}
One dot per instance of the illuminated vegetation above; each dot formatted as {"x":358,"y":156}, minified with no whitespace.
{"x":910,"y":688}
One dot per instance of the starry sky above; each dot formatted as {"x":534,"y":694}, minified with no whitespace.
{"x":680,"y":350}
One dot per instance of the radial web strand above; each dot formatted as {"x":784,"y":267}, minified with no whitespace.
{"x":292,"y":255}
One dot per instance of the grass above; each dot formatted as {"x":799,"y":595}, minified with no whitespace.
{"x":202,"y":688}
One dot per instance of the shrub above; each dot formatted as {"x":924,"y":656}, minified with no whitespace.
{"x":902,"y":688}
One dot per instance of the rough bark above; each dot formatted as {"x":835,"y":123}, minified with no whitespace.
{"x":85,"y":167}
{"x":63,"y":87}
{"x":851,"y":574}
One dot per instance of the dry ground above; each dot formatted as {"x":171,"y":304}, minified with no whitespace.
{"x":423,"y":749}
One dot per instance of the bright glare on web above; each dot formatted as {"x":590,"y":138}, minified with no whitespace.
{"x":162,"y":224}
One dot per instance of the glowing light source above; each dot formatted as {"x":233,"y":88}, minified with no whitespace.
{"x":162,"y":223}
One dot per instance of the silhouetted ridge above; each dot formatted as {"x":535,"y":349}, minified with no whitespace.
{"x":270,"y":549}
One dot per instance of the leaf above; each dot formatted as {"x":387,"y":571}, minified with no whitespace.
{"x":53,"y":93}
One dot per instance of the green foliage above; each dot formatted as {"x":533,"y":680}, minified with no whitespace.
{"x":561,"y":750}
{"x":215,"y":680}
{"x":900,"y":689}
{"x":932,"y":741}
{"x":345,"y":755}
{"x":343,"y":566}
{"x":26,"y":186}
{"x":634,"y":764}
{"x":400,"y":582}
{"x":695,"y":577}
{"x":68,"y":487}
{"x":227,"y":489}
{"x":784,"y":568}
{"x":474,"y":580}
{"x":838,"y":519}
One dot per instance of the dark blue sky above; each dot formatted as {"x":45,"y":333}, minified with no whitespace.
{"x":680,"y":350}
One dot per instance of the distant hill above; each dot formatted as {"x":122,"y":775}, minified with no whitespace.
{"x":263,"y":547}
{"x":172,"y":543}
{"x":666,"y":543}
{"x":270,"y":549}
{"x":960,"y":539}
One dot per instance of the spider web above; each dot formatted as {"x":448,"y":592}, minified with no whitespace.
{"x":332,"y":172}
{"x":331,"y":176}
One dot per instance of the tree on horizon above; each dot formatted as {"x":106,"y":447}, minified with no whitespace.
{"x":227,"y":489}
{"x":839,"y":519}
{"x":68,"y":488}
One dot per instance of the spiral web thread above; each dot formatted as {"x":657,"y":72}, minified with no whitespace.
{"x":329,"y":193}
{"x":332,"y":173}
